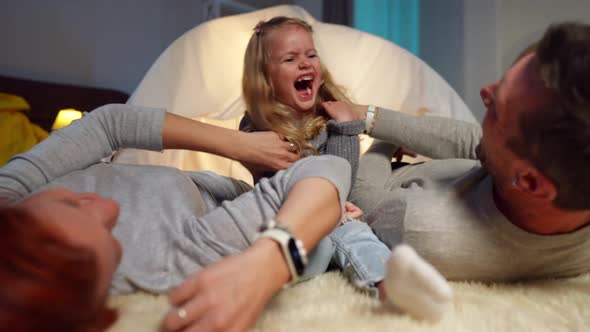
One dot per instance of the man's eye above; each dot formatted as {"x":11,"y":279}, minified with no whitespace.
{"x":288,"y":60}
{"x":312,"y":55}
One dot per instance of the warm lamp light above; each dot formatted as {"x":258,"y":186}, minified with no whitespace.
{"x":65,"y":117}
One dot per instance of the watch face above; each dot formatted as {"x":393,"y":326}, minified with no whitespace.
{"x":297,"y":261}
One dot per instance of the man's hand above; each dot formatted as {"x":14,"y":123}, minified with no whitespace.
{"x":352,"y":211}
{"x":264,"y":150}
{"x":343,"y":112}
{"x":231,"y":294}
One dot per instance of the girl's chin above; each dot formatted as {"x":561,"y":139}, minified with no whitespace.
{"x":305,"y":105}
{"x":304,"y":108}
{"x":301,"y":106}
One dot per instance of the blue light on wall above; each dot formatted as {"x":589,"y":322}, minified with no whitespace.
{"x":395,"y":20}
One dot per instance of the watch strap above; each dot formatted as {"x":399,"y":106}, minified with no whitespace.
{"x":292,"y":249}
{"x":369,"y":120}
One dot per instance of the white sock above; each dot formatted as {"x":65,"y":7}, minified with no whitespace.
{"x":414,"y":286}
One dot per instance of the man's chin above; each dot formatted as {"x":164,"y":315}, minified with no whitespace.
{"x":480,"y":153}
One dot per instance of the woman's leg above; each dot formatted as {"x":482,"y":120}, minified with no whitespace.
{"x":230,"y":294}
{"x":234,"y":225}
{"x":217,"y":188}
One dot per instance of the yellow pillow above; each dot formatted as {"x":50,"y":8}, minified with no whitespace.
{"x":17,"y":133}
{"x":10,"y":102}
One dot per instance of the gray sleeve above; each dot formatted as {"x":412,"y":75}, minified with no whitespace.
{"x":80,"y":145}
{"x":431,"y":136}
{"x":343,"y":141}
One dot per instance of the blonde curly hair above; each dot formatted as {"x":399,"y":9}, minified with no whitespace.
{"x":263,"y":108}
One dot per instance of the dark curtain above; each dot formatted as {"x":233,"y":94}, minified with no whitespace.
{"x":338,"y":12}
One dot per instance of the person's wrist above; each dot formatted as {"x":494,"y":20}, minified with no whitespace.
{"x":370,"y":115}
{"x":360,"y":111}
{"x":345,"y":116}
{"x":273,"y":261}
{"x":344,"y":119}
{"x":239,"y":147}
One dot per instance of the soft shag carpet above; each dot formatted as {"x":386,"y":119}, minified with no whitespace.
{"x":329,"y":303}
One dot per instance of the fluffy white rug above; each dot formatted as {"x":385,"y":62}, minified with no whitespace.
{"x":329,"y":303}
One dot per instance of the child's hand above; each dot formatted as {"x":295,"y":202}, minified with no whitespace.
{"x":401,"y":152}
{"x":352,"y":211}
{"x":343,"y":112}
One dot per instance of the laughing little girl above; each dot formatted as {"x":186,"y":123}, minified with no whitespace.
{"x":288,"y":90}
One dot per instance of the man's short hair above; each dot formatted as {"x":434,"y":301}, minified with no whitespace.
{"x":556,"y":138}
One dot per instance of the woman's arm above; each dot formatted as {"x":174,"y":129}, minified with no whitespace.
{"x":265,"y":150}
{"x":108,"y":128}
{"x":257,"y":171}
{"x":230,"y":295}
{"x":80,"y":145}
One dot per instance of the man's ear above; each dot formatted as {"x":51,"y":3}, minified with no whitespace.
{"x":534,"y":183}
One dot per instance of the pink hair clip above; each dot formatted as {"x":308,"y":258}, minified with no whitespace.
{"x":258,"y":27}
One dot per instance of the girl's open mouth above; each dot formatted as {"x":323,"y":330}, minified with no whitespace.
{"x":304,"y":86}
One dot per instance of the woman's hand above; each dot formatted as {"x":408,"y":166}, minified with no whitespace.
{"x":231,"y":294}
{"x":352,"y":211}
{"x":264,"y":150}
{"x":342,"y":112}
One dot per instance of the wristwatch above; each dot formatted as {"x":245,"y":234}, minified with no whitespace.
{"x":369,"y":119}
{"x":292,"y":247}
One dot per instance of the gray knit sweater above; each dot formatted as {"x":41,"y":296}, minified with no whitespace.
{"x":336,"y":139}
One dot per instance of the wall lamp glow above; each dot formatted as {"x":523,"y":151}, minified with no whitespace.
{"x":65,"y":117}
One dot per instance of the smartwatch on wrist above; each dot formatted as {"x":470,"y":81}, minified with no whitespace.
{"x":369,"y":119}
{"x":291,"y":247}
